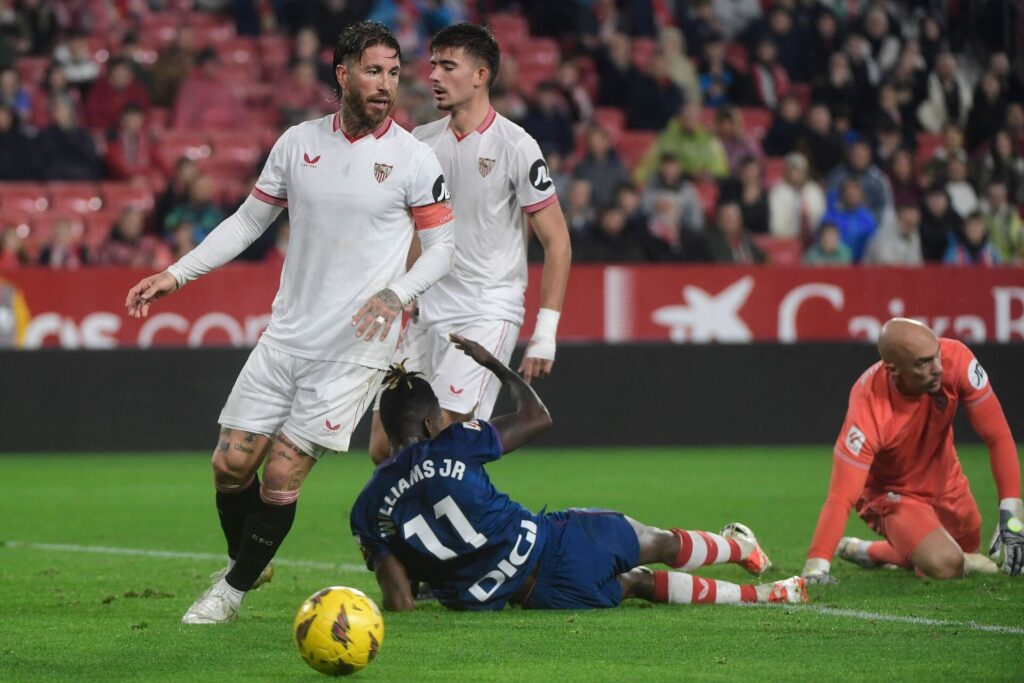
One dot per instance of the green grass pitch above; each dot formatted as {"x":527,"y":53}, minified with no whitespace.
{"x":68,"y":612}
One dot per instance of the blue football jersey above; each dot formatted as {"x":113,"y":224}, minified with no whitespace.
{"x":434,"y":508}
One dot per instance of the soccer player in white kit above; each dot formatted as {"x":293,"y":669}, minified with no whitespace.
{"x":357,"y":187}
{"x":499,"y":182}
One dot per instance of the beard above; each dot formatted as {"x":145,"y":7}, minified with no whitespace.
{"x":356,"y":115}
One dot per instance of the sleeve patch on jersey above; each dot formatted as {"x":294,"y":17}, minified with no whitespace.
{"x":268,"y":198}
{"x":432,"y":215}
{"x":854,"y":440}
{"x":440,"y":190}
{"x":976,"y":374}
{"x":539,"y":176}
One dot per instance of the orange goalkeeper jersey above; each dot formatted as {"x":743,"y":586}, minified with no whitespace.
{"x":894,"y":443}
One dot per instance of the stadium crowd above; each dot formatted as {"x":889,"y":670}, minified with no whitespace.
{"x":828,"y":132}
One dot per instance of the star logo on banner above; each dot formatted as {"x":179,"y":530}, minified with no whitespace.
{"x":706,"y":317}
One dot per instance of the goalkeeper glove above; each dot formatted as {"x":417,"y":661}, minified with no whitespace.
{"x":1009,"y":536}
{"x":816,"y":571}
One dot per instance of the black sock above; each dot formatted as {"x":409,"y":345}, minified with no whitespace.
{"x":233,"y":509}
{"x":264,"y":531}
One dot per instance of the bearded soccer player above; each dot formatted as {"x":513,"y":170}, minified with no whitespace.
{"x":499,"y":183}
{"x":357,"y":187}
{"x":895,"y":461}
{"x":430,"y":514}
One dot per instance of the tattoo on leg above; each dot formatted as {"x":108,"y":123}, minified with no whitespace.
{"x":243,"y":449}
{"x":282,"y":454}
{"x":289,"y":444}
{"x":250,"y":437}
{"x":223,"y":446}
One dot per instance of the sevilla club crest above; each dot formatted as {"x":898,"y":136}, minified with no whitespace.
{"x":381,"y":172}
{"x":485,"y":166}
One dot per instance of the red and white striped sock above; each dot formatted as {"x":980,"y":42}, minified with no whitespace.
{"x":679,"y":588}
{"x":700,"y":548}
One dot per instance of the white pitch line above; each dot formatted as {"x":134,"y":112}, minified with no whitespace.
{"x":171,"y":554}
{"x":343,"y":566}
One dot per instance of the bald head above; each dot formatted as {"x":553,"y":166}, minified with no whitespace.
{"x":910,"y":352}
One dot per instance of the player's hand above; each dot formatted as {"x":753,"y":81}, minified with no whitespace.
{"x":378,"y":314}
{"x":148,"y":290}
{"x":478,"y":353}
{"x":816,"y":572}
{"x":538,"y":359}
{"x":1009,"y":536}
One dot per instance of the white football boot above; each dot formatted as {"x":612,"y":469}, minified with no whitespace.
{"x":757,"y":561}
{"x":219,"y":604}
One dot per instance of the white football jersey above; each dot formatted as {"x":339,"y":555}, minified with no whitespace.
{"x":349,"y":204}
{"x":497,"y":175}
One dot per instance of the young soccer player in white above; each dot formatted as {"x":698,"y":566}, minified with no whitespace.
{"x":357,"y":186}
{"x":499,"y":182}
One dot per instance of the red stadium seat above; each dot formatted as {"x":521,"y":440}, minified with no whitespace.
{"x":737,"y":57}
{"x":275,"y":53}
{"x":927,"y":144}
{"x":117,"y":196}
{"x":612,"y":119}
{"x":212,"y":35}
{"x":774,"y":169}
{"x":539,"y":51}
{"x":22,"y":220}
{"x":707,"y":192}
{"x":510,"y":30}
{"x":74,"y":196}
{"x":174,"y":144}
{"x":781,"y":251}
{"x":98,"y":227}
{"x":43,"y":224}
{"x":27,"y":197}
{"x":633,"y":144}
{"x":802,"y":91}
{"x":158,"y":118}
{"x":242,"y":148}
{"x":32,"y":69}
{"x":756,"y":120}
{"x":238,"y":50}
{"x":532,"y":75}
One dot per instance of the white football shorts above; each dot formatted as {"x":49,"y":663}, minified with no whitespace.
{"x":461,"y":385}
{"x":317,"y":404}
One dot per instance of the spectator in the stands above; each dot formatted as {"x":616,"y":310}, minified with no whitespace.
{"x":962,"y":196}
{"x":888,"y":141}
{"x":18,"y":158}
{"x":902,"y":174}
{"x":547,"y":119}
{"x":939,"y":223}
{"x":699,"y":24}
{"x":665,"y":238}
{"x":199,"y":210}
{"x":43,"y":24}
{"x":787,"y":125}
{"x":888,"y":112}
{"x":949,"y":96}
{"x":700,"y":153}
{"x":930,"y":36}
{"x":67,"y":150}
{"x":884,"y":46}
{"x":971,"y":247}
{"x":185,"y":172}
{"x":581,"y":106}
{"x":64,"y":250}
{"x":734,"y":16}
{"x":130,"y":147}
{"x":738,"y":144}
{"x":825,"y":40}
{"x":1010,"y":82}
{"x":579,"y":207}
{"x":952,"y":147}
{"x":79,"y":64}
{"x":909,"y":79}
{"x":173,"y":65}
{"x":820,"y":142}
{"x":747,"y":190}
{"x":609,"y":241}
{"x":1001,"y":164}
{"x":13,"y":253}
{"x":679,"y":67}
{"x":988,"y":111}
{"x":15,"y":95}
{"x":729,"y":241}
{"x":796,"y":203}
{"x":112,"y":93}
{"x":627,"y":198}
{"x":55,"y":85}
{"x":855,"y":221}
{"x":860,"y":167}
{"x":128,"y":245}
{"x":789,"y":43}
{"x":718,"y":80}
{"x":600,"y":166}
{"x":182,"y":240}
{"x":304,"y":96}
{"x":866,"y":75}
{"x":828,"y":248}
{"x":838,"y":89}
{"x":898,"y":240}
{"x":306,"y":47}
{"x":769,"y":81}
{"x":653,"y":97}
{"x":206,"y":99}
{"x":614,"y":61}
{"x":1005,"y":228}
{"x":687,"y":210}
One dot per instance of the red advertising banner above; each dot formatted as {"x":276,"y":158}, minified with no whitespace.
{"x":616,"y":304}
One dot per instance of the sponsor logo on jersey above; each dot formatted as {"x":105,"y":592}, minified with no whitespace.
{"x":440,"y":190}
{"x":331,"y":428}
{"x":485,"y":166}
{"x":855,"y":440}
{"x":310,"y":161}
{"x":976,"y":374}
{"x":539,"y":176}
{"x":381,"y":172}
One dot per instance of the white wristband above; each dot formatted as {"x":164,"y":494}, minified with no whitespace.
{"x":1015,"y":506}
{"x":542,"y":343}
{"x":816,"y":565}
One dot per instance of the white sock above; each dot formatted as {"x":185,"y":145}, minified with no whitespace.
{"x":229,"y":591}
{"x":231,"y":563}
{"x":860,"y":552}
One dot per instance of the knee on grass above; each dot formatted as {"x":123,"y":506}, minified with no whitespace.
{"x":948,"y":564}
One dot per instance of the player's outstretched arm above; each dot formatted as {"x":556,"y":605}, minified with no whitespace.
{"x":394,"y":585}
{"x":553,"y":233}
{"x":148,"y":290}
{"x":531,"y":417}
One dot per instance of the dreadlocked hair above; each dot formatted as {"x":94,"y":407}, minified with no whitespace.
{"x":406,"y":400}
